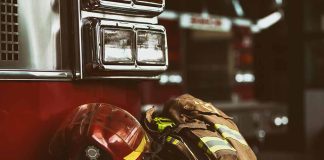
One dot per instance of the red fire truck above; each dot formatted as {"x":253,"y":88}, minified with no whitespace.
{"x":57,"y":54}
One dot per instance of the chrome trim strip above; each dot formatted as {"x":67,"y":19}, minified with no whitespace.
{"x":149,"y":3}
{"x":137,"y":8}
{"x":169,"y":15}
{"x":133,"y":68}
{"x":35,"y":75}
{"x":151,"y":20}
{"x":122,"y":77}
{"x":78,"y":40}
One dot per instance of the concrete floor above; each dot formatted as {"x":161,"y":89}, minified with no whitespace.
{"x":282,"y":156}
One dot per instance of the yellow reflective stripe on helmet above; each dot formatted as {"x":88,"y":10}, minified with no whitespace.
{"x":214,"y":144}
{"x":138,"y":151}
{"x":227,"y":132}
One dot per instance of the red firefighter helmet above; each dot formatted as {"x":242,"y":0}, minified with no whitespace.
{"x":100,"y":132}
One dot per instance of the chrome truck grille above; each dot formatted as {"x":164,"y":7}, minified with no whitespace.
{"x":9,"y":30}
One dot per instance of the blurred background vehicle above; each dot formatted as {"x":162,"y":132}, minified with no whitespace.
{"x":259,"y":61}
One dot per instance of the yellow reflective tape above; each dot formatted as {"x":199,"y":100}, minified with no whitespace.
{"x":138,"y":151}
{"x":206,"y":139}
{"x":220,"y":147}
{"x":172,"y":140}
{"x":168,"y":139}
{"x":175,"y":142}
{"x":211,"y":149}
{"x":237,"y":137}
{"x":230,"y":133}
{"x":218,"y":126}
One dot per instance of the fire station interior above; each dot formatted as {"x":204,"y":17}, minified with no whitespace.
{"x":264,"y":70}
{"x":259,"y":61}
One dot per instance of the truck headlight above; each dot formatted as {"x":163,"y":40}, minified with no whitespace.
{"x":151,"y":48}
{"x":118,"y":46}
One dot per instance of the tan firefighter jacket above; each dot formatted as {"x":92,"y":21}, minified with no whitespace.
{"x":196,"y":130}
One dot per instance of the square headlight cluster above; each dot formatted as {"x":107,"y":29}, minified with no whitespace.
{"x":130,"y":6}
{"x":126,"y":47}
